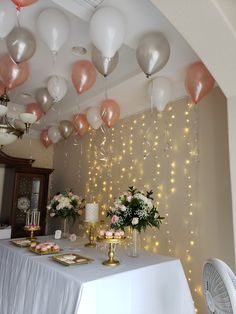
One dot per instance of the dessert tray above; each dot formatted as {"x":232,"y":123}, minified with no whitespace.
{"x":21,"y":243}
{"x":69,"y":259}
{"x":44,"y":248}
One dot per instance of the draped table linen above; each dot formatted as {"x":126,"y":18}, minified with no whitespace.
{"x":33,"y":284}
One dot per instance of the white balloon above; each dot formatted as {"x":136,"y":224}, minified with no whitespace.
{"x":94,"y":117}
{"x":57,"y":87}
{"x":160,"y":91}
{"x":107,"y":31}
{"x":54,"y":134}
{"x":7,"y":17}
{"x":53,"y":27}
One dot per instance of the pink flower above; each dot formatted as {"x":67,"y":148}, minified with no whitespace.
{"x":135,"y":221}
{"x":129,"y":198}
{"x":114,"y":219}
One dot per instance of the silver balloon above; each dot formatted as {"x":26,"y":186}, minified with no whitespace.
{"x":104,"y":65}
{"x":66,"y":128}
{"x":152,"y":53}
{"x":21,"y":44}
{"x":44,"y":99}
{"x":19,"y":125}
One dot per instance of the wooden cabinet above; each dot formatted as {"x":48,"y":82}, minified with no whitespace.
{"x":25,"y":188}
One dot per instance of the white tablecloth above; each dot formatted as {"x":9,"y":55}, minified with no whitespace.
{"x":148,"y":284}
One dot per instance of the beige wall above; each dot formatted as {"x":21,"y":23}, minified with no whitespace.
{"x":192,"y":192}
{"x":31,"y":148}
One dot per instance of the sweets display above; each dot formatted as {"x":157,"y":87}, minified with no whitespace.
{"x":44,"y":248}
{"x":111,"y":234}
{"x":21,"y":243}
{"x":71,"y":259}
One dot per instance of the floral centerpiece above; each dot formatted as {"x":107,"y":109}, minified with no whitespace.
{"x":66,"y":205}
{"x":134,"y":209}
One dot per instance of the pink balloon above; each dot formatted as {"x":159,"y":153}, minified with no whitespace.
{"x":35,"y":109}
{"x":13,"y":74}
{"x":23,"y":3}
{"x":2,"y":88}
{"x":199,"y":81}
{"x":110,"y":112}
{"x":45,"y":140}
{"x":83,"y":75}
{"x":80,"y":123}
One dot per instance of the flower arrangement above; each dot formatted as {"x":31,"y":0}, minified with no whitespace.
{"x":66,"y":205}
{"x":134,"y":209}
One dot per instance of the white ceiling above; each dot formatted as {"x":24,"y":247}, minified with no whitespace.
{"x":140,"y":16}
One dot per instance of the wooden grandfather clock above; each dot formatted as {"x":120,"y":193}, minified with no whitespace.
{"x":25,"y":188}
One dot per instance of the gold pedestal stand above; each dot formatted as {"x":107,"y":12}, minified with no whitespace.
{"x":32,"y":230}
{"x":92,"y":237}
{"x":111,"y":251}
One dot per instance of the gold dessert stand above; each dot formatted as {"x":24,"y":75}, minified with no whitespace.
{"x":111,"y":251}
{"x":32,"y":230}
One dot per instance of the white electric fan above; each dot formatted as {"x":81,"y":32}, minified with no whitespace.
{"x":219,"y":284}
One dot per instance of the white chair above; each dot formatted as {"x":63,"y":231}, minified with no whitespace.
{"x":219,"y":284}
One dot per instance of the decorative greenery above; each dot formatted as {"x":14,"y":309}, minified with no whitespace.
{"x":134,"y":209}
{"x":66,"y":205}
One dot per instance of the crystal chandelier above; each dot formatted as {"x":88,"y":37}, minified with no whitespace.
{"x":9,"y":132}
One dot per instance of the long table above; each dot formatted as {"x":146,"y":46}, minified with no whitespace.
{"x":148,"y":284}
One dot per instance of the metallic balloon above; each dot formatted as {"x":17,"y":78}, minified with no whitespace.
{"x":104,"y":65}
{"x":80,"y":124}
{"x":54,"y":134}
{"x":44,"y":99}
{"x":44,"y":139}
{"x":21,"y":44}
{"x":110,"y":112}
{"x":11,"y":74}
{"x":66,"y":128}
{"x":152,"y":53}
{"x":19,"y":125}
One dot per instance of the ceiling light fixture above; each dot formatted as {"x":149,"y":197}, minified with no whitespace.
{"x":9,"y":133}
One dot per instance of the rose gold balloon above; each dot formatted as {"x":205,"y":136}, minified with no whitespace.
{"x":2,"y":88}
{"x":199,"y":81}
{"x":35,"y":109}
{"x":83,"y":75}
{"x":23,"y":3}
{"x":45,"y":140}
{"x":12,"y":74}
{"x":80,"y":123}
{"x":110,"y":112}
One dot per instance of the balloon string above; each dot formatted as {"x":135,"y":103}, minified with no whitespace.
{"x":151,"y":98}
{"x":18,"y":16}
{"x":105,"y":87}
{"x":54,"y":59}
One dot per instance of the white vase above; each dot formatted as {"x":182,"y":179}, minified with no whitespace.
{"x":65,"y":228}
{"x":135,"y":243}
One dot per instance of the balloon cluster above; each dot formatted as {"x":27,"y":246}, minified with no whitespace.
{"x":107,"y":32}
{"x":108,"y":113}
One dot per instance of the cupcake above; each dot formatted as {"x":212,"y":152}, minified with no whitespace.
{"x":33,"y":245}
{"x":122,"y":233}
{"x":56,"y":248}
{"x":117,"y":235}
{"x":44,"y":249}
{"x":38,"y":248}
{"x":109,"y":234}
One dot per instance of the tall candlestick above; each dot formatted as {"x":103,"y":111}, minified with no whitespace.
{"x":91,"y":212}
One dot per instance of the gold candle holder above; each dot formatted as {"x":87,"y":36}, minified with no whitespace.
{"x":92,"y":237}
{"x":111,"y":251}
{"x":31,"y":229}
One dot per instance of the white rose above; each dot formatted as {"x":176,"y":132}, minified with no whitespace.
{"x":52,"y":214}
{"x":135,"y":221}
{"x":123,"y":208}
{"x":129,"y":198}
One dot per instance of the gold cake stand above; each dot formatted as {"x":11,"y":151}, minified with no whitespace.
{"x":111,"y":251}
{"x":32,"y":229}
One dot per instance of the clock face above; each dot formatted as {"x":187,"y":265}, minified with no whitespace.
{"x":23,"y":203}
